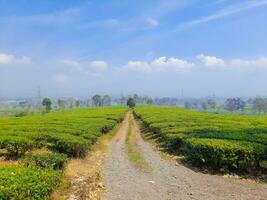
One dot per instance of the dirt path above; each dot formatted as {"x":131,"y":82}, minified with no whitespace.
{"x":168,"y":180}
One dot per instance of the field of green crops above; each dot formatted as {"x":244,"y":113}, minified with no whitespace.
{"x":217,"y":141}
{"x":66,"y":134}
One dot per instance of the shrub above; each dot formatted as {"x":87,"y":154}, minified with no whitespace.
{"x":224,"y":155}
{"x":107,"y":128}
{"x":53,"y":161}
{"x":221,"y":142}
{"x":70,"y":131}
{"x":21,"y":113}
{"x":173,"y":142}
{"x":23,"y":183}
{"x":16,"y":146}
{"x":72,"y":146}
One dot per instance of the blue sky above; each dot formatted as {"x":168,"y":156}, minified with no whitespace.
{"x":152,"y":47}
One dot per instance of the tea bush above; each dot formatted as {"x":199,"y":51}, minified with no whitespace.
{"x":15,"y":146}
{"x":22,"y":183}
{"x":53,"y":161}
{"x":224,"y":155}
{"x":69,"y":133}
{"x":221,"y":142}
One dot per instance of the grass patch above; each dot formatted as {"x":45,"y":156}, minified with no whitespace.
{"x":133,"y":150}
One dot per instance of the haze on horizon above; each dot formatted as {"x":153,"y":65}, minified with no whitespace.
{"x":157,"y":47}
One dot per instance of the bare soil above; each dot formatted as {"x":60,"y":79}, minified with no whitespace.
{"x":168,"y":179}
{"x":82,"y":177}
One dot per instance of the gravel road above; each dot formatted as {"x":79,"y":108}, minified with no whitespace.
{"x":168,"y":180}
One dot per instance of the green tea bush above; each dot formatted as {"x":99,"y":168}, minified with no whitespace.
{"x":71,"y":132}
{"x":173,"y":142}
{"x":53,"y":161}
{"x":72,"y":146}
{"x":22,"y":183}
{"x":221,"y":142}
{"x":224,"y":155}
{"x":15,"y":146}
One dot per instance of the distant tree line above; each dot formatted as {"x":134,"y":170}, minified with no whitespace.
{"x":260,"y":105}
{"x":137,"y":99}
{"x":98,"y":100}
{"x":237,"y":105}
{"x":257,"y":105}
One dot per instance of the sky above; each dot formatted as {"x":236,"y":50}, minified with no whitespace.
{"x":172,"y":48}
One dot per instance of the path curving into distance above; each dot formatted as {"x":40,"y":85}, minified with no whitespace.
{"x":167,"y":180}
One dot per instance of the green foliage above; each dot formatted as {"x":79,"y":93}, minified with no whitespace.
{"x":235,"y":104}
{"x":131,"y":102}
{"x":16,"y":146}
{"x":71,"y":132}
{"x":260,"y":104}
{"x":72,"y":146}
{"x":53,"y":161}
{"x":97,"y":100}
{"x":47,"y":103}
{"x":23,"y":183}
{"x":21,"y":113}
{"x":224,"y":155}
{"x":222,"y":142}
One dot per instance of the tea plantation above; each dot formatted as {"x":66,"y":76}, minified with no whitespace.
{"x":68,"y":133}
{"x":219,"y":142}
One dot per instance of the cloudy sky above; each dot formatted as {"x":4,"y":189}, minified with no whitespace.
{"x":153,"y":47}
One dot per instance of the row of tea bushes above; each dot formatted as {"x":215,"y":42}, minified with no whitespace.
{"x":220,"y":142}
{"x":67,"y":134}
{"x":71,"y":132}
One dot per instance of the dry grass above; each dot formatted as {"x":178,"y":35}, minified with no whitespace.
{"x":82,"y":177}
{"x":5,"y":162}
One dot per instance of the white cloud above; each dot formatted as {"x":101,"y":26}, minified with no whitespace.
{"x":6,"y":59}
{"x":160,"y":64}
{"x":249,"y":64}
{"x":9,"y":59}
{"x":95,"y":67}
{"x":211,"y":61}
{"x":138,"y":66}
{"x":152,"y":21}
{"x":98,"y":66}
{"x":72,"y":63}
{"x":60,"y":78}
{"x":240,"y":64}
